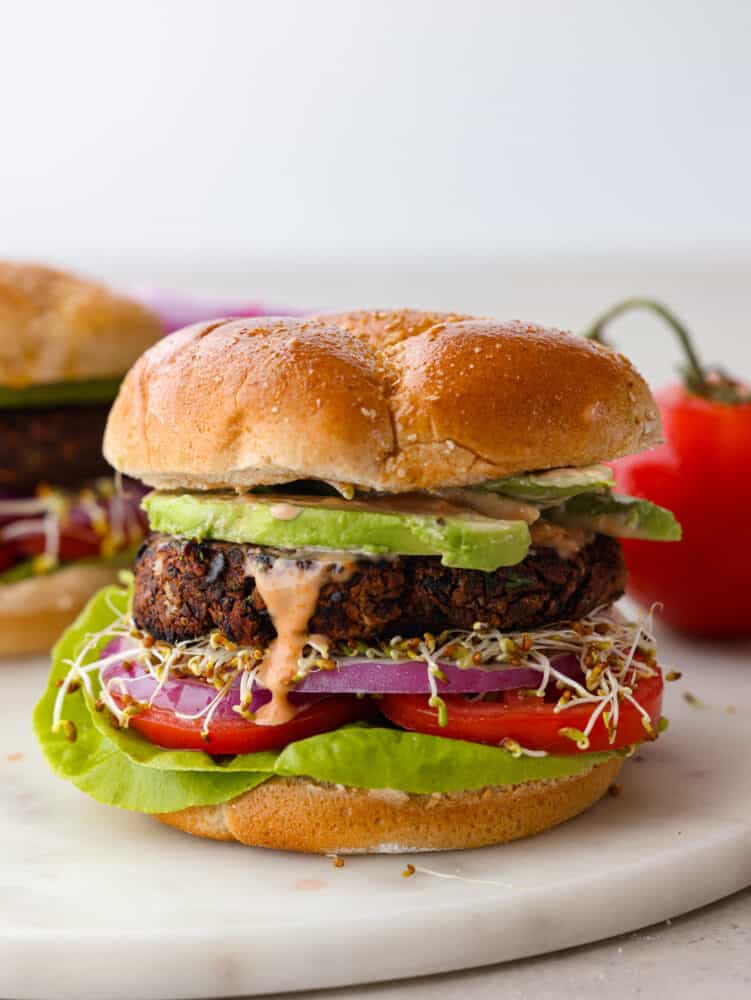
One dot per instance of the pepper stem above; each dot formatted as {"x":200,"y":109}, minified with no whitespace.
{"x":696,"y":374}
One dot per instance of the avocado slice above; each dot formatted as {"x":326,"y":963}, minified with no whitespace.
{"x":554,"y":484}
{"x":617,"y":515}
{"x":463,"y":539}
{"x":81,"y":393}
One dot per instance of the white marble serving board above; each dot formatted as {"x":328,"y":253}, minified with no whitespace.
{"x":98,"y":903}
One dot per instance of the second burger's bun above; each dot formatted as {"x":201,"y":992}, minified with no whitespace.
{"x":295,"y":814}
{"x":55,"y":327}
{"x":391,"y":401}
{"x":35,"y":612}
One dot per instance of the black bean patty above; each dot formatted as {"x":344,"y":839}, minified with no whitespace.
{"x":60,"y":446}
{"x":185,"y":589}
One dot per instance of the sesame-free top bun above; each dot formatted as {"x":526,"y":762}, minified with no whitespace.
{"x":55,"y":327}
{"x":296,"y":814}
{"x":386,"y":400}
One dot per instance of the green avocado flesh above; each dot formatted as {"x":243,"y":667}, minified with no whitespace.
{"x":617,"y":515}
{"x":120,"y":768}
{"x":82,"y":393}
{"x":554,"y":484}
{"x":461,"y":537}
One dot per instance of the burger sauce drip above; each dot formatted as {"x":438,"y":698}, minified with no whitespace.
{"x":290,"y":591}
{"x":565,"y":541}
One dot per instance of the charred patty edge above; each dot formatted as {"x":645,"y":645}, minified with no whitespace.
{"x":61,"y":446}
{"x":186,"y":589}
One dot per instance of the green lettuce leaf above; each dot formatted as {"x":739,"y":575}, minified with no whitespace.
{"x":96,"y":764}
{"x":365,"y":757}
{"x":119,"y":767}
{"x":139,"y":751}
{"x":83,"y":393}
{"x":21,"y":571}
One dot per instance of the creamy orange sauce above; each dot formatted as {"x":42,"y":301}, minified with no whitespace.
{"x":290,"y":591}
{"x":456,"y":502}
{"x":315,"y":638}
{"x":285,"y":511}
{"x":493,"y":505}
{"x":609,"y":524}
{"x":401,"y":503}
{"x":566,"y":541}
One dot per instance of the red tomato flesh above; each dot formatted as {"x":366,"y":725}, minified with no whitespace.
{"x":530,"y":721}
{"x":702,"y":474}
{"x":7,"y":557}
{"x":233,"y":736}
{"x":74,"y":544}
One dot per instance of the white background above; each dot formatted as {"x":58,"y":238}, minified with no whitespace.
{"x":244,"y":127}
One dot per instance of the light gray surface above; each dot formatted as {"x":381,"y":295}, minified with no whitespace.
{"x":705,"y":954}
{"x":210,"y":920}
{"x":702,"y":956}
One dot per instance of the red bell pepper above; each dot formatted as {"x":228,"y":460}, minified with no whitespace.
{"x":703,"y":474}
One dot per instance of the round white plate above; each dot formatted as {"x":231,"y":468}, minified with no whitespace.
{"x":98,"y":902}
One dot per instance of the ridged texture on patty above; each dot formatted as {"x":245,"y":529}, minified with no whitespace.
{"x":61,"y":446}
{"x":186,"y":589}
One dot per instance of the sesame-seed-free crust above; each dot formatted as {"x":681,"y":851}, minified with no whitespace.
{"x":296,"y":814}
{"x":386,"y":400}
{"x":34,"y":612}
{"x":56,"y":327}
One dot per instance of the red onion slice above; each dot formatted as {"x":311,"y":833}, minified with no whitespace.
{"x":411,"y":677}
{"x":176,"y":311}
{"x":184,"y":695}
{"x":78,"y":516}
{"x":192,"y":696}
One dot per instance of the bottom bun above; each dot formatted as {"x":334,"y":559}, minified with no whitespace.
{"x":296,"y":814}
{"x":34,"y":612}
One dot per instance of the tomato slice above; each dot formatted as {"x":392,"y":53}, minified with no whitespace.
{"x":232,"y":736}
{"x":7,"y":557}
{"x":79,"y":544}
{"x":532,"y":722}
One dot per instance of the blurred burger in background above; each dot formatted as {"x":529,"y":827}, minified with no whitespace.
{"x":65,"y":528}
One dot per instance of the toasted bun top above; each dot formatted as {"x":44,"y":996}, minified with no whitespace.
{"x":55,"y":327}
{"x":392,"y":401}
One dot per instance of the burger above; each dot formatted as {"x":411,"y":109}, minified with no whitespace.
{"x":65,"y":345}
{"x":374,"y":611}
